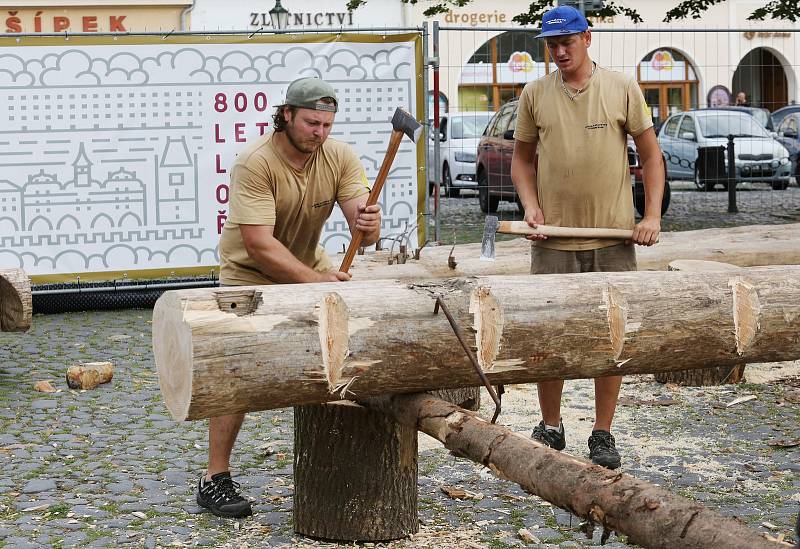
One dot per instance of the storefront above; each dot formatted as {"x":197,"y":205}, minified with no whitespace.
{"x":481,"y":69}
{"x":311,"y":14}
{"x":27,"y":16}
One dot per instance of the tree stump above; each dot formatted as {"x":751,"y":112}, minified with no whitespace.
{"x":719,"y":375}
{"x":355,"y":474}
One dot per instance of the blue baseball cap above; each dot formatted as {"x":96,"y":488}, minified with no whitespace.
{"x":562,"y":20}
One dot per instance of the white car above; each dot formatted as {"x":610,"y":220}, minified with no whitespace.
{"x":758,"y":156}
{"x":459,"y":134}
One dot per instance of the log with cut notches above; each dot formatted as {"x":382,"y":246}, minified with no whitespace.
{"x":226,"y":350}
{"x":648,"y":515}
{"x":15,"y":301}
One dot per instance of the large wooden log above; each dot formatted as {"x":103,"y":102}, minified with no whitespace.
{"x":15,"y":301}
{"x":226,"y":350}
{"x":648,"y":515}
{"x":748,"y":246}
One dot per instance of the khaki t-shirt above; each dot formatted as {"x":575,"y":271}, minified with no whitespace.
{"x":266,"y":190}
{"x":582,"y":176}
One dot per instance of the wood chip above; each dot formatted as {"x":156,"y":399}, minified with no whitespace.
{"x":36,"y":508}
{"x":526,"y":536}
{"x":459,"y":493}
{"x":627,"y":401}
{"x":769,"y":525}
{"x":785,"y":443}
{"x":44,"y":386}
{"x":739,"y":400}
{"x":139,"y":514}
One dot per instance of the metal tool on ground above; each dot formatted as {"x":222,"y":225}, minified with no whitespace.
{"x":494,"y":226}
{"x":402,"y":124}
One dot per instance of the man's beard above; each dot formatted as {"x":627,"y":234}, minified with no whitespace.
{"x":307,"y":147}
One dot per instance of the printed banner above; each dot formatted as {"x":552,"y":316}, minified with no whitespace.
{"x":114,"y":154}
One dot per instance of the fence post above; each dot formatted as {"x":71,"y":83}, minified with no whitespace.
{"x":731,"y":176}
{"x":437,"y":142}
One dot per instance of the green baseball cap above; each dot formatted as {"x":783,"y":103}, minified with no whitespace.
{"x":307,"y":92}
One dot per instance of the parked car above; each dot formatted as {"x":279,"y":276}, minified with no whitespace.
{"x":789,"y":136}
{"x":783,"y":112}
{"x":762,"y":116}
{"x":458,"y":134}
{"x":496,"y":148}
{"x":759,"y":157}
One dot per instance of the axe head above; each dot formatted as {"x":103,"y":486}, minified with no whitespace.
{"x":402,"y":121}
{"x":489,"y":232}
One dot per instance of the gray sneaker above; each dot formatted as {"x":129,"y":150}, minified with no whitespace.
{"x":550,"y":437}
{"x":603,"y":449}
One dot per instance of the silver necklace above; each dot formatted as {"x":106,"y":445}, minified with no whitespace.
{"x":578,"y":92}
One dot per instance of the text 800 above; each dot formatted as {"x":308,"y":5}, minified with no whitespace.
{"x":239,"y":102}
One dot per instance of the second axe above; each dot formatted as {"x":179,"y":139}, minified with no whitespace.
{"x":494,"y":226}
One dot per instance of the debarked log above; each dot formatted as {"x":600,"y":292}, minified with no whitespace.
{"x":648,"y":515}
{"x":746,"y":246}
{"x":225,"y":350}
{"x":15,"y":301}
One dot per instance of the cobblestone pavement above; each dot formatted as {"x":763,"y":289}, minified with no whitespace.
{"x":689,"y":209}
{"x":108,"y":467}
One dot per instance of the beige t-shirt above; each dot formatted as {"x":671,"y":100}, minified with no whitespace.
{"x":266,"y":190}
{"x":583,"y":177}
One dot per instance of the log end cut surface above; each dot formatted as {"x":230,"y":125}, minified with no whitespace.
{"x":172,"y":349}
{"x":15,"y":301}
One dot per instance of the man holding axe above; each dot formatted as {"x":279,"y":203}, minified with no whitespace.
{"x":579,"y":117}
{"x":283,"y":189}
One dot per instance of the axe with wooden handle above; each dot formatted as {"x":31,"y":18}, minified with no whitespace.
{"x":402,"y":124}
{"x":494,"y":226}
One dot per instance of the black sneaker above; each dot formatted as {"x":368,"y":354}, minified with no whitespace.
{"x":550,"y":437}
{"x":221,"y":496}
{"x":602,"y":449}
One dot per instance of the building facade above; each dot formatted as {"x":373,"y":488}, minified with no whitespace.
{"x":679,"y":65}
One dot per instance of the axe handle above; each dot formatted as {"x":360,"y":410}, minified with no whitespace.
{"x":391,"y":151}
{"x":520,"y":227}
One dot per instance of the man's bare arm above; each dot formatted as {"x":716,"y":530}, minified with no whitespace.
{"x":361,"y":217}
{"x":647,"y":230}
{"x":276,"y":261}
{"x":523,"y":174}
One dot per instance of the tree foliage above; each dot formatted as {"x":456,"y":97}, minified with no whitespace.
{"x":786,"y":10}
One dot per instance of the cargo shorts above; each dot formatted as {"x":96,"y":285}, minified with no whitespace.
{"x":620,"y":257}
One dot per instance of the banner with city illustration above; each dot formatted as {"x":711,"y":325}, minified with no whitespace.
{"x":114,"y":152}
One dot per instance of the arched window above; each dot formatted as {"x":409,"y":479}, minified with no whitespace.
{"x":669,"y":83}
{"x":499,"y":69}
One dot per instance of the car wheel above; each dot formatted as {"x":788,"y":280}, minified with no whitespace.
{"x":780,"y":185}
{"x":487,"y":203}
{"x":702,"y":184}
{"x":447,"y":182}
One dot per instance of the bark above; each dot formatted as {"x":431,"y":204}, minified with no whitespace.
{"x":89,"y":375}
{"x":650,"y":516}
{"x":15,"y":301}
{"x":355,"y":474}
{"x":721,"y":375}
{"x":748,"y":246}
{"x":273,"y":351}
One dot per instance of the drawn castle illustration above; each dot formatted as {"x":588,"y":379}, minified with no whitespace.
{"x":44,"y":204}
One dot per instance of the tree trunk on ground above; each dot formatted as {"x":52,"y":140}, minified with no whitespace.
{"x":15,"y":301}
{"x":743,"y":246}
{"x":720,"y":375}
{"x":650,"y":516}
{"x":355,"y":474}
{"x":298,"y":344}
